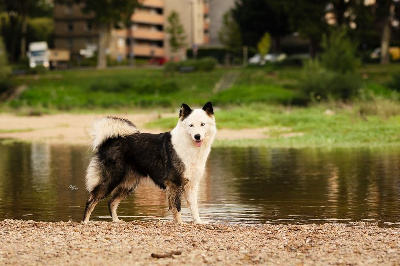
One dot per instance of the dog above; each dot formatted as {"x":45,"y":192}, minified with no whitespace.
{"x":174,"y":160}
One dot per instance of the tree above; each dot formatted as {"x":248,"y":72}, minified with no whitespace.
{"x":307,"y":17}
{"x":385,"y":12}
{"x":177,"y":36}
{"x":229,"y":35}
{"x":255,"y":17}
{"x":18,"y":12}
{"x":263,"y":46}
{"x":108,"y":13}
{"x":5,"y":70}
{"x":339,"y":52}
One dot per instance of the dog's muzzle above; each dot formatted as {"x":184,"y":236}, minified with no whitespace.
{"x":198,"y":140}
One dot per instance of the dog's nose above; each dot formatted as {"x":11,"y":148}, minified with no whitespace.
{"x":197,"y":137}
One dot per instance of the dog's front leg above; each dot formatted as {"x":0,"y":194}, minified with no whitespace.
{"x":174,"y":201}
{"x":191,"y":190}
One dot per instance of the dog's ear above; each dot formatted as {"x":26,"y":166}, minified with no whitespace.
{"x":208,"y":108}
{"x":185,"y":111}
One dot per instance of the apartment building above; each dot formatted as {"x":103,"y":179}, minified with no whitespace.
{"x":146,"y":38}
{"x":73,"y":30}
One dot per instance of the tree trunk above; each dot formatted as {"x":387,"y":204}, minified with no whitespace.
{"x":104,"y":40}
{"x":12,"y":44}
{"x":130,"y":37}
{"x":313,"y":49}
{"x":24,"y":26}
{"x":385,"y":42}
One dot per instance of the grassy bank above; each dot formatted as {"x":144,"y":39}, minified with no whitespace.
{"x":127,"y":88}
{"x":321,"y":125}
{"x":90,"y":89}
{"x":266,"y":97}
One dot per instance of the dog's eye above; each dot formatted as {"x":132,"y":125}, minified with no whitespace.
{"x":191,"y":125}
{"x":203,"y":124}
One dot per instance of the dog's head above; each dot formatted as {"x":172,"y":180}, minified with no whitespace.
{"x":199,"y":124}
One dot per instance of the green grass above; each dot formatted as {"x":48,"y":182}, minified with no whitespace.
{"x":114,"y":89}
{"x":312,"y":127}
{"x":128,"y":88}
{"x":16,"y":130}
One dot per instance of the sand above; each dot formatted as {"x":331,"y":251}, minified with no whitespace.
{"x":166,"y":243}
{"x":74,"y":128}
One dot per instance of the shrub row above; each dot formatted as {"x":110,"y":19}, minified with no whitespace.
{"x":204,"y":64}
{"x":135,"y":86}
{"x":322,"y":84}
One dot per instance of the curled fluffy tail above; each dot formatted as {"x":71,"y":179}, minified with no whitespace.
{"x":110,"y":127}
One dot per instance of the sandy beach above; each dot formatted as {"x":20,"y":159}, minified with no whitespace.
{"x":74,"y":128}
{"x":166,"y":243}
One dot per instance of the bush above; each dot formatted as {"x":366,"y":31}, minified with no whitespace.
{"x":207,"y":63}
{"x":214,"y":52}
{"x":322,"y":84}
{"x":204,"y":64}
{"x":37,"y":70}
{"x":136,"y":86}
{"x":394,"y":84}
{"x":339,"y":53}
{"x":171,"y":66}
{"x":256,"y":93}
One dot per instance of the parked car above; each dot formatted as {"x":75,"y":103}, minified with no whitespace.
{"x":157,"y":61}
{"x":274,"y":57}
{"x":393,"y":51}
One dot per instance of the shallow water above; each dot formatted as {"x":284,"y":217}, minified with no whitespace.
{"x":243,"y":185}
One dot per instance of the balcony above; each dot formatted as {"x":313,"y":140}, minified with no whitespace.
{"x":148,"y":18}
{"x":206,"y":39}
{"x":148,"y":35}
{"x":206,"y":9}
{"x":147,"y":51}
{"x":153,"y":3}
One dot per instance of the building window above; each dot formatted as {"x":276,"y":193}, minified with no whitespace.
{"x":121,"y":42}
{"x":89,"y":26}
{"x":68,"y":9}
{"x":70,"y":27}
{"x":70,"y":44}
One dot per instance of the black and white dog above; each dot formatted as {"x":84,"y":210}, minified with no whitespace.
{"x":174,"y":160}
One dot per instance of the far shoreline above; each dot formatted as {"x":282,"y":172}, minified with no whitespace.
{"x":72,"y":129}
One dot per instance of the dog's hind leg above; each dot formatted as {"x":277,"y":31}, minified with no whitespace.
{"x":117,"y":196}
{"x":121,"y":192}
{"x":97,"y":194}
{"x":174,"y":195}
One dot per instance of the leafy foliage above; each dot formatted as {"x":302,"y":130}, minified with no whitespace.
{"x":322,"y":84}
{"x":142,"y":87}
{"x":339,"y":52}
{"x":177,"y":36}
{"x":264,"y":44}
{"x":253,"y":21}
{"x":203,"y":64}
{"x":394,"y":83}
{"x":5,"y":70}
{"x":15,"y":23}
{"x":229,"y":35}
{"x":108,"y":13}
